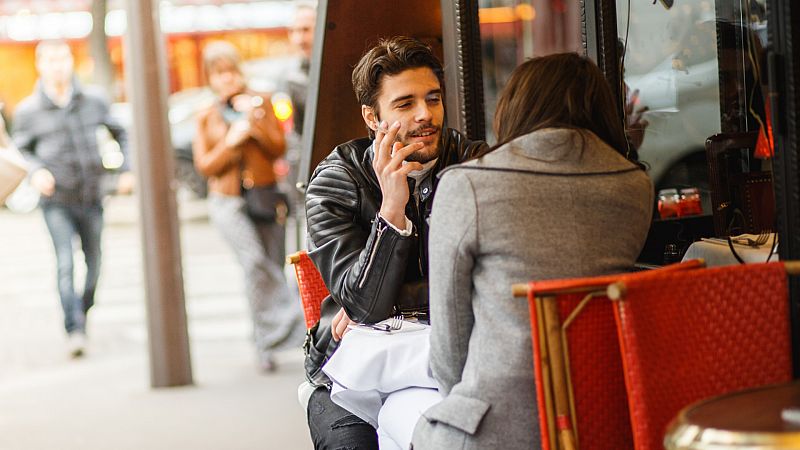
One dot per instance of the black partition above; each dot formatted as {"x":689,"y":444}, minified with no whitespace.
{"x":346,"y":28}
{"x":783,"y":57}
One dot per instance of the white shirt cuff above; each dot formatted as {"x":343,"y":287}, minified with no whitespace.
{"x":404,"y":233}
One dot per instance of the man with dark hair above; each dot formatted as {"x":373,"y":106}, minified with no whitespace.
{"x":55,"y":128}
{"x":301,"y":36}
{"x":367,"y":206}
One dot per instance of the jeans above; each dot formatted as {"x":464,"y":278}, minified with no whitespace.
{"x":334,"y":428}
{"x":64,"y":223}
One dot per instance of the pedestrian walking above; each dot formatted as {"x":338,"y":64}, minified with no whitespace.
{"x":55,"y":128}
{"x":236,"y":146}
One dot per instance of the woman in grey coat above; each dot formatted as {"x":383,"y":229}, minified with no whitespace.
{"x":556,"y":198}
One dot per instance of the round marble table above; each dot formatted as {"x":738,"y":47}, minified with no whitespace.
{"x":761,"y":418}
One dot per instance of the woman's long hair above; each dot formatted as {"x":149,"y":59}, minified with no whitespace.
{"x":559,"y":91}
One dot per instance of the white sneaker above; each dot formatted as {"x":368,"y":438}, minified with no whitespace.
{"x":76,"y":344}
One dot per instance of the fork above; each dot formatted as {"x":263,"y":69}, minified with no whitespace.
{"x":760,"y":240}
{"x":396,"y":322}
{"x":763,"y":237}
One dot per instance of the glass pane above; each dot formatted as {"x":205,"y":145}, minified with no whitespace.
{"x":671,"y":77}
{"x":695,"y":80}
{"x":514,"y":30}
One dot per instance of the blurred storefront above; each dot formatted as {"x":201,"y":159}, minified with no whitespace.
{"x":257,"y":28}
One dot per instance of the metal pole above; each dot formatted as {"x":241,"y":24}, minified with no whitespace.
{"x":170,"y":363}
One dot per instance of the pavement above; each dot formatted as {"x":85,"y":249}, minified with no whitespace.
{"x":104,"y":400}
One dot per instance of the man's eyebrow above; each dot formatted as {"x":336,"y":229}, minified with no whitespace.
{"x":409,"y":97}
{"x":400,"y":99}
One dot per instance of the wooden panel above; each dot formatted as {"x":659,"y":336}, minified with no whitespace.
{"x":346,"y":29}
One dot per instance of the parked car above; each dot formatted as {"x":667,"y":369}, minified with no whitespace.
{"x":183,"y":106}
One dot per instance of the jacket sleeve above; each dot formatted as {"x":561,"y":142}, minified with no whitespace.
{"x":266,"y":130}
{"x":453,"y":246}
{"x":211,"y":160}
{"x":119,"y":133}
{"x":25,"y":139}
{"x":363,"y":267}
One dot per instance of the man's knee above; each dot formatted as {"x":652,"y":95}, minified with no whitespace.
{"x":334,"y":428}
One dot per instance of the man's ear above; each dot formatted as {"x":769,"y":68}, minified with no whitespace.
{"x":370,"y":118}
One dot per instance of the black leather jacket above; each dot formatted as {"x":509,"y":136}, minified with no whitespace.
{"x":371,"y":270}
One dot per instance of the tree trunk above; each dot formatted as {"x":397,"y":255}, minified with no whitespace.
{"x":98,"y":46}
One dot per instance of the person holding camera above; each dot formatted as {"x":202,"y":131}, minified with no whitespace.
{"x":237,"y":143}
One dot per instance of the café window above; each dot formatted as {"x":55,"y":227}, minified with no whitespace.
{"x":515,"y":30}
{"x":694,"y":87}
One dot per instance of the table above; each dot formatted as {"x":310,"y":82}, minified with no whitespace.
{"x":369,"y":365}
{"x":749,"y":419}
{"x":716,"y":252}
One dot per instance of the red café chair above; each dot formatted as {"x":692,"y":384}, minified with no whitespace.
{"x":688,"y":335}
{"x":312,"y":289}
{"x":578,"y":369}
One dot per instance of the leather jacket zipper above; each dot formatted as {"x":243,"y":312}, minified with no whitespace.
{"x":381,"y":228}
{"x":418,"y":234}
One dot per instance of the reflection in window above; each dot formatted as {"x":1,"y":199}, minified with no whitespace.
{"x":694,"y":75}
{"x":515,"y":30}
{"x":671,"y":78}
{"x":680,"y":58}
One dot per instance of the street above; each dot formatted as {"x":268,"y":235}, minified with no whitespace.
{"x":104,"y":400}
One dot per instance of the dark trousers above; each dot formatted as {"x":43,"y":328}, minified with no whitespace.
{"x":65,"y":222}
{"x":335,"y":428}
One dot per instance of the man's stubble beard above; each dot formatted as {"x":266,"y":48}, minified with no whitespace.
{"x":424,"y":155}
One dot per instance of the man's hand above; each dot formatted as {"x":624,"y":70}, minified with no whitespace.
{"x":125,"y":183}
{"x":237,"y":133}
{"x":44,"y":182}
{"x":339,"y":325}
{"x":392,"y":170}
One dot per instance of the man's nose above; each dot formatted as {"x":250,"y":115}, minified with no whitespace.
{"x":423,"y":113}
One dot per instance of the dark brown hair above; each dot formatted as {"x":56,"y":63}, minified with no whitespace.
{"x":559,"y":91}
{"x":390,"y":57}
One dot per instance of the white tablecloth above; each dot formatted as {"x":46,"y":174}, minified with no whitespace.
{"x":716,"y":252}
{"x":371,"y":364}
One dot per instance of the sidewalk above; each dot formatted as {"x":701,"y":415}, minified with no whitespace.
{"x":104,"y":401}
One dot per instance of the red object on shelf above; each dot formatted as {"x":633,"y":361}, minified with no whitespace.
{"x":666,"y":210}
{"x":765,"y":145}
{"x":689,"y":204}
{"x":668,"y":203}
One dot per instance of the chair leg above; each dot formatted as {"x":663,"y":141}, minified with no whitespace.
{"x":546,"y":373}
{"x":560,"y":388}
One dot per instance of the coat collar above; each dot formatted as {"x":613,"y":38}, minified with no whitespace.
{"x":47,"y":102}
{"x":556,"y":150}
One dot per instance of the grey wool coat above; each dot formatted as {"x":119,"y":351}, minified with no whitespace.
{"x":556,"y":203}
